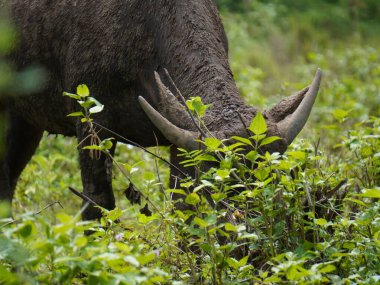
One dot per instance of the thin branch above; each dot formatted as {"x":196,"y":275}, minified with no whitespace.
{"x":179,"y":94}
{"x":48,"y":206}
{"x":243,"y":123}
{"x":34,"y":214}
{"x":141,"y":147}
{"x":157,"y":172}
{"x":84,"y":197}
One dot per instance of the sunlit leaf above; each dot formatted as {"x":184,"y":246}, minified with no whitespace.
{"x":200,"y":222}
{"x":212,"y":143}
{"x":269,"y":140}
{"x":73,"y":96}
{"x":192,"y":199}
{"x":76,"y":114}
{"x":230,"y":227}
{"x":96,"y":109}
{"x":146,"y":258}
{"x":258,"y":125}
{"x":370,"y":193}
{"x":243,"y":140}
{"x":222,"y":174}
{"x":83,"y":91}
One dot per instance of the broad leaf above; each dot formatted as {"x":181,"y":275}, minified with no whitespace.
{"x":82,"y":90}
{"x":192,"y":199}
{"x":258,"y":125}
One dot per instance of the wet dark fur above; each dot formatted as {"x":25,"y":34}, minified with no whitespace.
{"x":114,"y":46}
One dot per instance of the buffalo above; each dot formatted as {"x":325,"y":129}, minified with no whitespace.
{"x":136,"y":57}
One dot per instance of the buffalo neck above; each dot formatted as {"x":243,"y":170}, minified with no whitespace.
{"x":192,"y":45}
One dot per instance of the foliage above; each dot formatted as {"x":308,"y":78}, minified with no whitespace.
{"x":251,"y":217}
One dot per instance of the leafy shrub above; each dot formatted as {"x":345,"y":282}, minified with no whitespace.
{"x":251,"y":217}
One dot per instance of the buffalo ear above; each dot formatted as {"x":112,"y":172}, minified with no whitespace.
{"x":148,"y":82}
{"x":161,"y":97}
{"x":285,"y":107}
{"x":169,"y":113}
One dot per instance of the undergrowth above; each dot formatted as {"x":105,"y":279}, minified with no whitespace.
{"x":250,"y":217}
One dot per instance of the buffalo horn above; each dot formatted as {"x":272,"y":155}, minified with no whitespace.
{"x":181,"y":138}
{"x":290,"y":127}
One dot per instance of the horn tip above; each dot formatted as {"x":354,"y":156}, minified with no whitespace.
{"x":319,"y":73}
{"x":143,"y":103}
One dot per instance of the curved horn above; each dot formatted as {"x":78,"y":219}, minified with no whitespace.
{"x":292,"y":125}
{"x":182,"y":138}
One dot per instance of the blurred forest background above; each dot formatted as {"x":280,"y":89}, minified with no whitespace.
{"x":275,"y":46}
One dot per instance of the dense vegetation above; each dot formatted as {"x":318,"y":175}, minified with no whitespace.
{"x":310,"y":216}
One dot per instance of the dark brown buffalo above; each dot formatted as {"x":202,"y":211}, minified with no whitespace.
{"x":114,"y":47}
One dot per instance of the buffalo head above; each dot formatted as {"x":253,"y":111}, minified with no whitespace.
{"x":286,"y":119}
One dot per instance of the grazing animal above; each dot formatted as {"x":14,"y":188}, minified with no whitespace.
{"x":121,"y":50}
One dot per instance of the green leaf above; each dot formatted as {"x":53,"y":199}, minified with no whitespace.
{"x":243,"y":261}
{"x":205,"y":157}
{"x":226,"y":163}
{"x":233,"y":263}
{"x":327,"y":269}
{"x":320,"y":222}
{"x":93,"y":147}
{"x":144,"y":219}
{"x":359,"y":202}
{"x":26,"y":230}
{"x":146,"y":258}
{"x":82,"y":90}
{"x":222,"y":174}
{"x":300,"y":155}
{"x":295,"y":272}
{"x":76,"y":114}
{"x":262,"y":173}
{"x":131,"y":260}
{"x":196,"y":105}
{"x":81,"y":241}
{"x":200,"y":222}
{"x":370,"y":193}
{"x":258,"y":125}
{"x":217,"y":197}
{"x":192,"y":199}
{"x":230,"y":227}
{"x":177,"y":191}
{"x":243,"y":140}
{"x":114,"y":214}
{"x":269,"y":140}
{"x":86,"y":104}
{"x":187,"y":184}
{"x":340,"y":115}
{"x":212,"y":143}
{"x":252,"y":155}
{"x":64,"y":218}
{"x":258,"y":138}
{"x":74,"y":96}
{"x":107,"y":143}
{"x":96,"y":109}
{"x":42,"y":161}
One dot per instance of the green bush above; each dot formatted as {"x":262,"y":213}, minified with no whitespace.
{"x":251,"y":217}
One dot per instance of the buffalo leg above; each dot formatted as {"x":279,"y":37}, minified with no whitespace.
{"x":21,"y":142}
{"x":96,"y":171}
{"x":176,"y":176}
